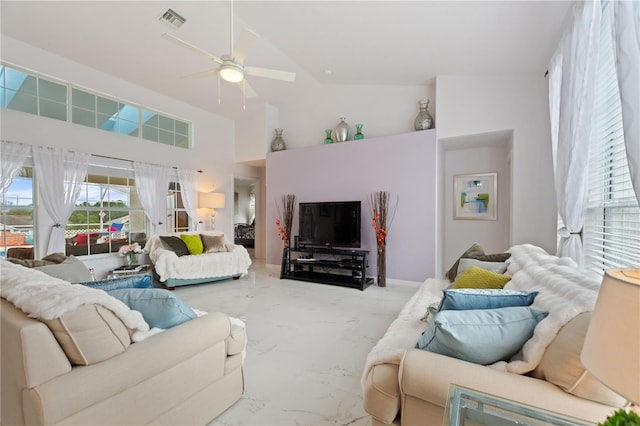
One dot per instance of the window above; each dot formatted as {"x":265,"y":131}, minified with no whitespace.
{"x":108,"y":213}
{"x":612,"y":222}
{"x":33,"y":94}
{"x":177,"y":215}
{"x":17,"y":217}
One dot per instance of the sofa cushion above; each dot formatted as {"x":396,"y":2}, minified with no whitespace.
{"x":193,"y":243}
{"x":561,"y":365}
{"x":497,"y":267}
{"x":474,"y":250}
{"x":482,"y":336}
{"x":475,"y":277}
{"x":71,"y":270}
{"x":470,"y":298}
{"x":136,"y":281}
{"x":90,"y":334}
{"x":214,"y":243}
{"x":159,"y":307}
{"x":175,"y":244}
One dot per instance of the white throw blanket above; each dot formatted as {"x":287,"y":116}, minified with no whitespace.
{"x":208,"y":265}
{"x":564,"y":292}
{"x":44,"y":297}
{"x":404,"y":331}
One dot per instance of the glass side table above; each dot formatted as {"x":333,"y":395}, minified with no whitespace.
{"x":474,"y":408}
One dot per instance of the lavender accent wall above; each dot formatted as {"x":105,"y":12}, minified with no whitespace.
{"x":403,"y":164}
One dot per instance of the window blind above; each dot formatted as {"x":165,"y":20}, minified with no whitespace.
{"x":611,"y":231}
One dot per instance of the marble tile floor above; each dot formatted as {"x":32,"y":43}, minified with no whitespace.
{"x":307,"y":345}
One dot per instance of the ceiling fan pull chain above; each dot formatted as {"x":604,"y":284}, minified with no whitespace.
{"x":219,"y":89}
{"x":244,"y":94}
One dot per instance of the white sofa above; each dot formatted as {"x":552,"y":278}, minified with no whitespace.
{"x":79,"y":365}
{"x":403,"y":385}
{"x":174,"y":270}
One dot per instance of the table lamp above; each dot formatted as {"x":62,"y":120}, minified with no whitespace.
{"x":611,"y":350}
{"x":213,"y":201}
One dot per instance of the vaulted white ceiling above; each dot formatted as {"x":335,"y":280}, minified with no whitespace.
{"x":324,"y":42}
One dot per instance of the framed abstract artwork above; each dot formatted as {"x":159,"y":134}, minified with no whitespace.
{"x":475,"y":196}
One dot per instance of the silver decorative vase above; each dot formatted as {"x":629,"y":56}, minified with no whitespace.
{"x":342,"y":131}
{"x":424,"y":120}
{"x":278,"y":143}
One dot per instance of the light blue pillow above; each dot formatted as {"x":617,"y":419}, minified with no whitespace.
{"x":461,"y":299}
{"x":136,"y":281}
{"x":159,"y":307}
{"x":481,"y":336}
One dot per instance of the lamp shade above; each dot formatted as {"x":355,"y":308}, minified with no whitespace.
{"x":611,"y":350}
{"x":211,"y":200}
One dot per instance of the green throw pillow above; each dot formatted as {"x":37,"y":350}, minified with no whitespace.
{"x":193,"y":243}
{"x":475,"y":277}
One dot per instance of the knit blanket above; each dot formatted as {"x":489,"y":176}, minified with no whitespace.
{"x":44,"y":297}
{"x":564,"y":292}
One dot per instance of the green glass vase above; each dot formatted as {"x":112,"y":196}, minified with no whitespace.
{"x":359,"y":135}
{"x":327,"y":138}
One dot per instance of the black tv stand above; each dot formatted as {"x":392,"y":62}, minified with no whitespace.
{"x":326,"y":265}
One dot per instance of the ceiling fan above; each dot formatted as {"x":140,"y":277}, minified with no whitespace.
{"x":232,"y":68}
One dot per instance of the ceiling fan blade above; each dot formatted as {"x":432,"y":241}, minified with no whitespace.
{"x":201,"y":74}
{"x":248,"y":90}
{"x":191,"y":47}
{"x":245,"y":43}
{"x":269,"y":73}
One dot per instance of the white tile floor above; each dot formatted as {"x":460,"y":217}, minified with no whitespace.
{"x":307,"y":344}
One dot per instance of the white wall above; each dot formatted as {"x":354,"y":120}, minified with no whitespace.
{"x":253,"y":133}
{"x":213,"y":136}
{"x":470,"y":105}
{"x":383,"y":110}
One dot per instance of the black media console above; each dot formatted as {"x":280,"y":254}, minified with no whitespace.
{"x":325,"y":265}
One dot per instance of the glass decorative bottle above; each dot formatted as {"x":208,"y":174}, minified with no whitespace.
{"x":424,"y":120}
{"x":327,"y":138}
{"x":342,"y":131}
{"x":278,"y":143}
{"x":359,"y":135}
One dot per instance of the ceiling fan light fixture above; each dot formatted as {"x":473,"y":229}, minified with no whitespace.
{"x":231,"y":72}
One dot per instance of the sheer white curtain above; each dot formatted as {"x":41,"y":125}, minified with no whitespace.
{"x":152,"y":184}
{"x":12,"y":155}
{"x":571,"y":86}
{"x":626,"y":40}
{"x":187,"y":180}
{"x":60,"y":176}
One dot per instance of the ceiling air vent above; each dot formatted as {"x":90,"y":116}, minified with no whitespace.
{"x":172,"y":18}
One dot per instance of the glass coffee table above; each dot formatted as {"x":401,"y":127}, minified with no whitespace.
{"x":467,"y":407}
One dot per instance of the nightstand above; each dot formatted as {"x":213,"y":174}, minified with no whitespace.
{"x":470,"y":407}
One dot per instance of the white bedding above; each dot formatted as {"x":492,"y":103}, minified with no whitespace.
{"x":208,"y":265}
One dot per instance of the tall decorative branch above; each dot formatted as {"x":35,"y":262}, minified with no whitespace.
{"x":285,"y":211}
{"x":381,"y":219}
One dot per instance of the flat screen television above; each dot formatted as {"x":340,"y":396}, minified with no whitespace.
{"x":333,"y":224}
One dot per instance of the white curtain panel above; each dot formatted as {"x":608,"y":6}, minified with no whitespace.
{"x":187,"y":180}
{"x":626,"y":39}
{"x":12,"y":156}
{"x":60,"y":174}
{"x":152,"y":184}
{"x":571,"y":86}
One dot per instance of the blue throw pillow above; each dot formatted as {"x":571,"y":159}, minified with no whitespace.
{"x":470,"y":298}
{"x":136,"y":281}
{"x":482,"y":336}
{"x":159,"y":307}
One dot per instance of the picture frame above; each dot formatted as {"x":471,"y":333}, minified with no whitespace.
{"x":475,"y":196}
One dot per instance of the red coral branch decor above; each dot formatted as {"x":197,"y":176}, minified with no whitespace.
{"x":381,"y":221}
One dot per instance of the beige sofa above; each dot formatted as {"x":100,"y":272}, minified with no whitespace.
{"x":403,"y":385}
{"x":186,"y":375}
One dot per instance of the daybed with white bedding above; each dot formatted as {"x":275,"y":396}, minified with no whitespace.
{"x":228,"y":261}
